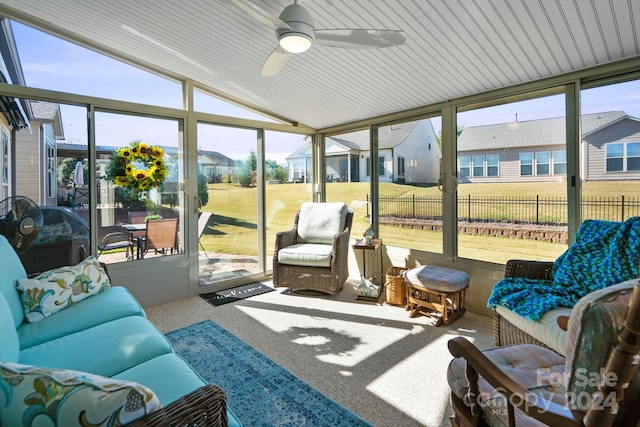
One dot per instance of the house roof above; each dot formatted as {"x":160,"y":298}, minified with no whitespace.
{"x":453,"y":49}
{"x":44,"y":110}
{"x":216,"y":157}
{"x":388,"y":137}
{"x":530,"y":133}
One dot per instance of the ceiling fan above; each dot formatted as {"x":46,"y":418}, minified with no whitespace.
{"x":296,"y":32}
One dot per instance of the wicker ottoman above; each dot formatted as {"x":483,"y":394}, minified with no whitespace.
{"x":439,"y":290}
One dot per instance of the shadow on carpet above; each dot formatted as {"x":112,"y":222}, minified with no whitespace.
{"x":259,"y":391}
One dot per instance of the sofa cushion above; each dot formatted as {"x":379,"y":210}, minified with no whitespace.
{"x":56,"y":289}
{"x":39,"y":396}
{"x":105,"y":349}
{"x":12,"y":270}
{"x":319,"y":222}
{"x":111,"y":304}
{"x":9,"y":344}
{"x":593,"y":329}
{"x":170,"y":377}
{"x":307,"y":254}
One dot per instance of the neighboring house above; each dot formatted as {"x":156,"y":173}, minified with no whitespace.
{"x":15,"y":113}
{"x":36,"y":159}
{"x":300,"y":165}
{"x":407,"y":153}
{"x":536,"y":150}
{"x":214,"y":165}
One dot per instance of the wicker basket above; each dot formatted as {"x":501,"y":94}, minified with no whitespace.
{"x":394,"y":286}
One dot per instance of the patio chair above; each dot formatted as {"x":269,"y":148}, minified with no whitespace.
{"x":313,"y":255}
{"x":79,"y":197}
{"x":116,"y":240}
{"x":136,"y":217}
{"x":597,"y":384}
{"x":203,"y":220}
{"x":160,"y":235}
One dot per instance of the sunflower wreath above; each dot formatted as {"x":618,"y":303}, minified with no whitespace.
{"x":138,"y":167}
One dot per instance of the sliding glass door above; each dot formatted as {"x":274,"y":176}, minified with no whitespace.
{"x":228,"y":192}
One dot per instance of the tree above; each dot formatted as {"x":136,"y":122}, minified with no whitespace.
{"x":203,"y":189}
{"x":459,"y":130}
{"x":67,"y":168}
{"x":272,"y":170}
{"x":247,"y":175}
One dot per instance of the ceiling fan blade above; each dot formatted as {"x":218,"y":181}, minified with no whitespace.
{"x":359,"y":38}
{"x":275,"y":62}
{"x":260,"y":14}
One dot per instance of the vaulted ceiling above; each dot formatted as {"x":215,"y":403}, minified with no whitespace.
{"x":453,"y":48}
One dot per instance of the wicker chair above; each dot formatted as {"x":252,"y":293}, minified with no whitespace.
{"x":597,"y":384}
{"x":205,"y":406}
{"x":504,"y":332}
{"x":313,"y":255}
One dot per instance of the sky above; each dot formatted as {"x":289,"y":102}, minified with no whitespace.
{"x":52,"y":63}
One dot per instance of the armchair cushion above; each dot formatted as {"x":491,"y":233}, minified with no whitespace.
{"x":592,"y":331}
{"x":56,"y":289}
{"x":64,"y":397}
{"x":319,"y":222}
{"x":529,"y":365}
{"x":307,"y":254}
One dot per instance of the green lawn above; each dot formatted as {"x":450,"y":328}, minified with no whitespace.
{"x":235,"y":221}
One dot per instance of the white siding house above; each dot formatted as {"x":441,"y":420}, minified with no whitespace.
{"x":407,"y":153}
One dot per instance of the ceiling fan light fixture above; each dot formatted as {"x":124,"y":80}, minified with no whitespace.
{"x":295,"y":42}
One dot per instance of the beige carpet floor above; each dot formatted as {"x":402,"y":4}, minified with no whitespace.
{"x":371,"y":358}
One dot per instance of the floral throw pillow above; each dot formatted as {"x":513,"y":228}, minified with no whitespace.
{"x":31,"y":395}
{"x":56,"y":289}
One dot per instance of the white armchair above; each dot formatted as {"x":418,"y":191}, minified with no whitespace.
{"x":314,"y":254}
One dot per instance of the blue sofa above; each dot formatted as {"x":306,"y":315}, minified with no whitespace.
{"x":104,"y":339}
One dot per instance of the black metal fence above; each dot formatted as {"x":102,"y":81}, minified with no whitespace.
{"x":514,"y":209}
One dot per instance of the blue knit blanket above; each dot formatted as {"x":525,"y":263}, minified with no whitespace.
{"x":603,"y":254}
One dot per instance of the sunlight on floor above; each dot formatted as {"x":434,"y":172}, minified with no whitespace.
{"x":417,"y":368}
{"x":334,"y":341}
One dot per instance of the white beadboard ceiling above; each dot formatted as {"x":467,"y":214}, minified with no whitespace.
{"x":453,"y":48}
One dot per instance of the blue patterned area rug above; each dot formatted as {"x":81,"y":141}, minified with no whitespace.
{"x":259,"y":391}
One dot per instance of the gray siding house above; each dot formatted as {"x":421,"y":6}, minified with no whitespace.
{"x":214,"y":165}
{"x":536,"y":150}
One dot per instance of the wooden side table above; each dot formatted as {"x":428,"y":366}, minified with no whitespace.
{"x":371,"y":249}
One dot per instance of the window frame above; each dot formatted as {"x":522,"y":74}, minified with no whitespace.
{"x":539,"y":164}
{"x":621,"y":159}
{"x":491,"y":166}
{"x":480,"y":166}
{"x":555,"y":163}
{"x":467,"y":167}
{"x":530,"y":163}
